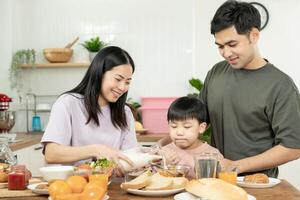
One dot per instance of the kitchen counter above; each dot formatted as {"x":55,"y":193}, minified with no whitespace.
{"x":283,"y":190}
{"x":26,"y":140}
{"x":29,"y":139}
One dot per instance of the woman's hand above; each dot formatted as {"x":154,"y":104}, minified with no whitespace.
{"x":110,"y":153}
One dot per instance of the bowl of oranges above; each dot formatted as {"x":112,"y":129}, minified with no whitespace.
{"x":79,"y":188}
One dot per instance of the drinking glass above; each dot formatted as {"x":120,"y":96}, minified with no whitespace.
{"x":6,"y":154}
{"x":228,"y":174}
{"x":206,"y":165}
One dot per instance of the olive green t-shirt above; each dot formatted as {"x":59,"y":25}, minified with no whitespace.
{"x":251,"y":110}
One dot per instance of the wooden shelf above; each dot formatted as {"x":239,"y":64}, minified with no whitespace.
{"x":55,"y":65}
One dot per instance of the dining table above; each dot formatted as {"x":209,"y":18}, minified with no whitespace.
{"x":283,"y":191}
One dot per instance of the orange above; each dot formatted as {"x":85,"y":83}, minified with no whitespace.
{"x":96,"y":184}
{"x":68,"y":197}
{"x":59,"y":187}
{"x":99,"y":177}
{"x":93,"y":194}
{"x":77,"y":183}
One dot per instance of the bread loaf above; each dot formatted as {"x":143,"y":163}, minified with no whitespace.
{"x":257,"y":178}
{"x":215,"y":189}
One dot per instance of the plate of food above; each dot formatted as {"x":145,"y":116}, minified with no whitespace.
{"x":4,"y":170}
{"x":155,"y":185}
{"x":189,"y":196}
{"x":257,"y":180}
{"x":39,"y":188}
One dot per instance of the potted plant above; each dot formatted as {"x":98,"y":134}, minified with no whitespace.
{"x":23,"y":56}
{"x":93,"y":46}
{"x":134,"y":106}
{"x":198,"y":84}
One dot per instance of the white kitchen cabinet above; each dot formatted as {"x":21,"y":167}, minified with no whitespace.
{"x":32,"y":157}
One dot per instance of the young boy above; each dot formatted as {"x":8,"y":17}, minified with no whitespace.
{"x":187,"y":118}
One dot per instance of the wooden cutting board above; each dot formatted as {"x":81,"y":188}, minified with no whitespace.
{"x":4,"y":192}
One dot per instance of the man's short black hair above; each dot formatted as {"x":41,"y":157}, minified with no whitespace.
{"x":188,"y":107}
{"x":242,"y":15}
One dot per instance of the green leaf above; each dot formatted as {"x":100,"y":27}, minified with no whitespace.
{"x":196,"y":83}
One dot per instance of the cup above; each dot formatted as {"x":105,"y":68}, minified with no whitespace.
{"x":36,"y":123}
{"x":228,"y":174}
{"x":206,"y":165}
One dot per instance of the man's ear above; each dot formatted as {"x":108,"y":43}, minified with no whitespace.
{"x":254,"y":35}
{"x":202,"y":127}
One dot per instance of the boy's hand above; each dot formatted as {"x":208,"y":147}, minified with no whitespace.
{"x":171,"y":156}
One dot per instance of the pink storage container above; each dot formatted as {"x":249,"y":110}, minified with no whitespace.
{"x":154,"y":113}
{"x":155,"y":120}
{"x":157,"y":102}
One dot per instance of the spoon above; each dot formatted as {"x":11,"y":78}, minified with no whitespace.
{"x":72,"y":43}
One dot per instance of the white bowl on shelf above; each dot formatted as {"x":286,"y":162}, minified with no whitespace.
{"x":43,"y":107}
{"x":56,"y":172}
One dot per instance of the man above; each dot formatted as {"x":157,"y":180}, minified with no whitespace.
{"x":254,"y":108}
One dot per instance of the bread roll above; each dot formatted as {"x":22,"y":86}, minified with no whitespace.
{"x":257,"y":178}
{"x":3,"y":177}
{"x":215,"y":189}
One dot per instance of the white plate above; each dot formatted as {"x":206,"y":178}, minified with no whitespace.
{"x":32,"y":187}
{"x":189,"y":196}
{"x":272,"y":182}
{"x":3,"y":185}
{"x":154,"y":193}
{"x":106,"y":197}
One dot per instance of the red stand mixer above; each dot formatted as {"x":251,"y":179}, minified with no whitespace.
{"x":7,"y":118}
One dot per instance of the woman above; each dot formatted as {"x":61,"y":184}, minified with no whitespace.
{"x":91,"y":120}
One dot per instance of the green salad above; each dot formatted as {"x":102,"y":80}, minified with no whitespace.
{"x":101,"y":163}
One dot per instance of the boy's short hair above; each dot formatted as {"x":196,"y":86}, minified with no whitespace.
{"x":188,"y":108}
{"x":242,"y":15}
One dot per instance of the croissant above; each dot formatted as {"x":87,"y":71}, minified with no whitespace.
{"x":256,"y":178}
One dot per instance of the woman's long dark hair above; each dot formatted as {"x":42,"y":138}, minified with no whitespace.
{"x":90,"y":86}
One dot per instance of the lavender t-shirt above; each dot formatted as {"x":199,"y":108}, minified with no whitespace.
{"x":67,"y":125}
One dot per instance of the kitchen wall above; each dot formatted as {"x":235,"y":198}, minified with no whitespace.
{"x":168,"y":39}
{"x":6,"y":44}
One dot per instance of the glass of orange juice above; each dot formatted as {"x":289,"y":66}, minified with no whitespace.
{"x":228,"y":174}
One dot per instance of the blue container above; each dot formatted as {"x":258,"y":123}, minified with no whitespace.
{"x":36,"y":123}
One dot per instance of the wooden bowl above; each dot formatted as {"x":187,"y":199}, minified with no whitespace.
{"x":58,"y":55}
